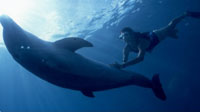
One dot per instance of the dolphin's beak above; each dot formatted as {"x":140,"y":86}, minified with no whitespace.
{"x":5,"y":20}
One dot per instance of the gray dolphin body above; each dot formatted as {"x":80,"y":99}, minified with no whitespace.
{"x":57,"y":63}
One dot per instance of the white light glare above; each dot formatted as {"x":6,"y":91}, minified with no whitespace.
{"x":14,"y":7}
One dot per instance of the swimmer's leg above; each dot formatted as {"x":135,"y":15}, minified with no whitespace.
{"x":170,"y":30}
{"x":177,"y":20}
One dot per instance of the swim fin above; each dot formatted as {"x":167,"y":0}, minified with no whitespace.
{"x":157,"y":88}
{"x":194,"y":14}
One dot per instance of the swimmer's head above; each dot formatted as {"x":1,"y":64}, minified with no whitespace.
{"x":126,"y":33}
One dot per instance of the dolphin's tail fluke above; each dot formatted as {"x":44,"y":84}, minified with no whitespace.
{"x":153,"y":84}
{"x":157,"y":87}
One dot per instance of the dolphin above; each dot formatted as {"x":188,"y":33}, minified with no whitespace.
{"x":59,"y":64}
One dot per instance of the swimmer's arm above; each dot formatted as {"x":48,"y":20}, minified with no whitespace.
{"x":126,"y":52}
{"x":138,"y":59}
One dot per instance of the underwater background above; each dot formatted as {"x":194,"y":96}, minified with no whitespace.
{"x":100,"y":21}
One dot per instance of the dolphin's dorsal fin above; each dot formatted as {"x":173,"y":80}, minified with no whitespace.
{"x":88,"y":93}
{"x":72,"y":43}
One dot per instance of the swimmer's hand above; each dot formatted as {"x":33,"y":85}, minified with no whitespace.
{"x":117,"y":65}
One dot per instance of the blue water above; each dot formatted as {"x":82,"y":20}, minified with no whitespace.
{"x":177,"y":61}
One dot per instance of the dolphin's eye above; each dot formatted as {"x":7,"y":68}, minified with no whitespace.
{"x":28,"y":47}
{"x":22,"y":47}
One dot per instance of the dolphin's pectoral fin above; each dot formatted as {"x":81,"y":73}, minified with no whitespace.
{"x":72,"y":43}
{"x":88,"y":94}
